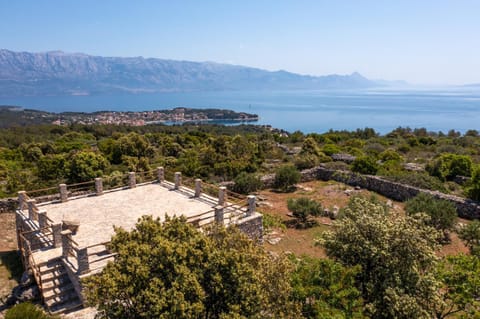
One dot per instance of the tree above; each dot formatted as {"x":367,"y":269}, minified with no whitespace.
{"x":286,"y":176}
{"x":172,"y":270}
{"x":396,"y":255}
{"x":326,"y":289}
{"x":460,"y":291}
{"x":302,"y":209}
{"x":365,"y":165}
{"x":442,"y":214}
{"x":85,"y":166}
{"x":470,"y":234}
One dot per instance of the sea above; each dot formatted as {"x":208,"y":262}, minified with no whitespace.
{"x":384,"y":109}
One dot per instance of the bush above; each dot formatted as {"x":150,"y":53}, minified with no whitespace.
{"x":447,"y":166}
{"x":365,"y":165}
{"x":442,"y":213}
{"x":473,"y":187}
{"x":26,"y":310}
{"x":417,"y":179}
{"x":330,"y":149}
{"x":286,"y":176}
{"x":470,"y":234}
{"x":302,"y":208}
{"x":246,"y":183}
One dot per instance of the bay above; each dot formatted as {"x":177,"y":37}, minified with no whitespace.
{"x":308,"y":111}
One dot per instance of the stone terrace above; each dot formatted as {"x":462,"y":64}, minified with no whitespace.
{"x":65,"y":239}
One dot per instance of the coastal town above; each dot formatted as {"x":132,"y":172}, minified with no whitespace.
{"x":13,"y":115}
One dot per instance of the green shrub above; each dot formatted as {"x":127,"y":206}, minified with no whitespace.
{"x":417,"y":179}
{"x":286,"y":176}
{"x":390,"y":155}
{"x":272,"y":221}
{"x":470,"y":234}
{"x":442,"y":213}
{"x":330,"y":149}
{"x":447,"y":166}
{"x":365,"y":165}
{"x":473,"y":187}
{"x":26,"y":310}
{"x":247,"y":183}
{"x":302,"y":209}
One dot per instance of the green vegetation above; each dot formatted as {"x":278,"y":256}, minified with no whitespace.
{"x":396,"y":255}
{"x":303,"y":209}
{"x":246,"y":183}
{"x":286,"y":177}
{"x":442,"y":214}
{"x":172,"y":270}
{"x":470,"y":234}
{"x":27,"y":310}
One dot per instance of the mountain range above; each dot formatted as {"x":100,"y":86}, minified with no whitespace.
{"x":59,"y":73}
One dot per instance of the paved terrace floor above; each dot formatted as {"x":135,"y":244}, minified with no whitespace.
{"x":98,"y":214}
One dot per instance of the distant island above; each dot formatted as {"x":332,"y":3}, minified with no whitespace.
{"x":17,"y":116}
{"x":57,"y":73}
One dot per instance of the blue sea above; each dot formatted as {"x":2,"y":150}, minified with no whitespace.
{"x":307,"y":111}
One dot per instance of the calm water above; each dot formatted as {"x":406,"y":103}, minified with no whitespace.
{"x":308,"y":111}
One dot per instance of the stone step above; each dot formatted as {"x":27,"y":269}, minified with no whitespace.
{"x":65,"y":307}
{"x":49,"y":276}
{"x":58,"y":292}
{"x":54,"y":282}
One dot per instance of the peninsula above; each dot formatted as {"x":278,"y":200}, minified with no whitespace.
{"x":17,"y":116}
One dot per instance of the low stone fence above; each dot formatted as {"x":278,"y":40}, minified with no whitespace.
{"x":466,"y":208}
{"x":8,"y":205}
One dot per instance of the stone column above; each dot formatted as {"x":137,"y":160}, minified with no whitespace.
{"x":57,"y":235}
{"x":66,"y":242}
{"x":251,"y":205}
{"x":160,"y":174}
{"x":31,"y":209}
{"x":178,"y":180}
{"x":222,"y":194}
{"x":198,"y":187}
{"x":21,"y":199}
{"x":42,"y":219}
{"x":63,"y":192}
{"x":98,"y":186}
{"x":219,"y":214}
{"x":132,"y":181}
{"x":82,"y":260}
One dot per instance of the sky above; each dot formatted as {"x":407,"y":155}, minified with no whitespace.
{"x":432,"y":42}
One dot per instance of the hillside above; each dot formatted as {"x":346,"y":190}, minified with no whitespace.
{"x":59,"y":73}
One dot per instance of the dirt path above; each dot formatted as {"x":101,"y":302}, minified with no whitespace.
{"x":10,"y":265}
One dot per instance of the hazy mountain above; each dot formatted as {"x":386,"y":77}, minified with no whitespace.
{"x":59,"y":73}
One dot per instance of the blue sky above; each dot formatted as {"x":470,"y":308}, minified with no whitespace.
{"x":422,"y":41}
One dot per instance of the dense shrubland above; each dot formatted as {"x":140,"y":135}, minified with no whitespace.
{"x":39,"y":156}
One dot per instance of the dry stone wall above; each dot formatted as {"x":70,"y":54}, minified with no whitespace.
{"x":466,"y":208}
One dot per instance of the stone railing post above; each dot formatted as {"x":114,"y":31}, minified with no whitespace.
{"x":98,"y":186}
{"x":178,"y":180}
{"x":66,"y":242}
{"x":82,"y":260}
{"x":251,"y":205}
{"x":22,"y":195}
{"x":57,"y":235}
{"x":222,"y":194}
{"x":42,"y":219}
{"x":160,"y":174}
{"x":32,"y":209}
{"x":219,"y":214}
{"x":198,"y":187}
{"x":132,"y":181}
{"x":63,"y":192}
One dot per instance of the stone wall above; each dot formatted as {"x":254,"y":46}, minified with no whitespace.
{"x":252,"y":226}
{"x":8,"y":205}
{"x":466,"y":208}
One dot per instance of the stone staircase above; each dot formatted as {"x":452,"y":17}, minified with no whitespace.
{"x":58,"y":292}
